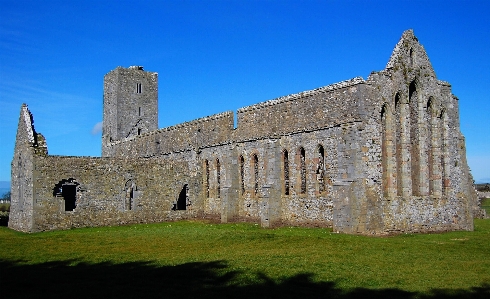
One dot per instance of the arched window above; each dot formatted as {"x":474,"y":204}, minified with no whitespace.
{"x":320,"y":169}
{"x":285,"y":158}
{"x":218,"y":178}
{"x":242,"y":174}
{"x":398,"y":143}
{"x":302,"y":165}
{"x":414,"y":145}
{"x":430,"y":143}
{"x":255,"y":161}
{"x":387,"y":162}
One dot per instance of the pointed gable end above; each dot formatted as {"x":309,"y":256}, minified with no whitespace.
{"x":410,"y":56}
{"x":27,"y":135}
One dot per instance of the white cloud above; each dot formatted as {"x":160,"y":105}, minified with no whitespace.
{"x":97,"y":128}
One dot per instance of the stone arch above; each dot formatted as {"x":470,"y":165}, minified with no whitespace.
{"x":387,"y":154}
{"x":398,"y":142}
{"x":130,"y":192}
{"x":435,"y":141}
{"x":414,"y":147}
{"x":320,"y":169}
{"x":285,"y":171}
{"x":69,"y":190}
{"x":445,"y":160}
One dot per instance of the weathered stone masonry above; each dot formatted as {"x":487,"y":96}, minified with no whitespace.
{"x":375,"y":156}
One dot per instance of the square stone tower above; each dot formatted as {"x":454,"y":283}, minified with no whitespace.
{"x":130,"y":104}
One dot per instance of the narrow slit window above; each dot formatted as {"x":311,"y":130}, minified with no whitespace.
{"x":206,"y":179}
{"x":286,"y":172}
{"x":218,"y":178}
{"x":138,"y":87}
{"x":302,"y":171}
{"x":256,"y":174}
{"x":242,"y":175}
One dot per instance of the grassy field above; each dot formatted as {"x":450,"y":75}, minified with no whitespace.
{"x":194,"y":259}
{"x":485,"y":204}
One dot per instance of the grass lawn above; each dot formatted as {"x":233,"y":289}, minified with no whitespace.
{"x":485,"y":204}
{"x":194,"y":259}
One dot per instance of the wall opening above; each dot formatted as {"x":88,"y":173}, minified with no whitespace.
{"x":206,"y":178}
{"x":414,"y":140}
{"x":398,"y":144}
{"x":138,"y":87}
{"x":302,"y":163}
{"x":242,"y":174}
{"x":255,"y":161}
{"x":430,"y":144}
{"x":285,"y":158}
{"x":183,"y":198}
{"x":129,"y":198}
{"x":69,"y":193}
{"x":218,"y":178}
{"x":320,"y":169}
{"x":67,"y":189}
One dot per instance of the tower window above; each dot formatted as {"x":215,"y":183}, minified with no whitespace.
{"x":138,"y":87}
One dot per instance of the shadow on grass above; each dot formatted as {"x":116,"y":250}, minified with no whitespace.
{"x":69,"y":279}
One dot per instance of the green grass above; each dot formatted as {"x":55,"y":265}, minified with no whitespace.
{"x":195,"y":259}
{"x":485,"y":204}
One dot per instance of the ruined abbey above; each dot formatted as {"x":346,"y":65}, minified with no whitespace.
{"x":380,"y":155}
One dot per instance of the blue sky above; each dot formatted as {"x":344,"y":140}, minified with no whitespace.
{"x":215,"y":56}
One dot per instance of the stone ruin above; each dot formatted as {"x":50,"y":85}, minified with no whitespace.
{"x":377,"y":156}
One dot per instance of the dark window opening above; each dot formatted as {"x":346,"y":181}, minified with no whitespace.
{"x":67,"y":189}
{"x":256,"y":174}
{"x":242,"y":175}
{"x":218,"y":178}
{"x":302,"y":170}
{"x":411,"y":89}
{"x":69,"y":193}
{"x":286,"y":172}
{"x":320,"y":171}
{"x":183,"y":198}
{"x":139,"y":111}
{"x":129,"y":200}
{"x":139,"y":131}
{"x":138,"y":87}
{"x":206,"y":179}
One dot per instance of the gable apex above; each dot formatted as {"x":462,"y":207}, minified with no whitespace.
{"x":410,"y":55}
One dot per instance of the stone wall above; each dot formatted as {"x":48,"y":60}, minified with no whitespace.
{"x":102,"y":191}
{"x":309,"y":110}
{"x":215,"y":129}
{"x":379,"y":156}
